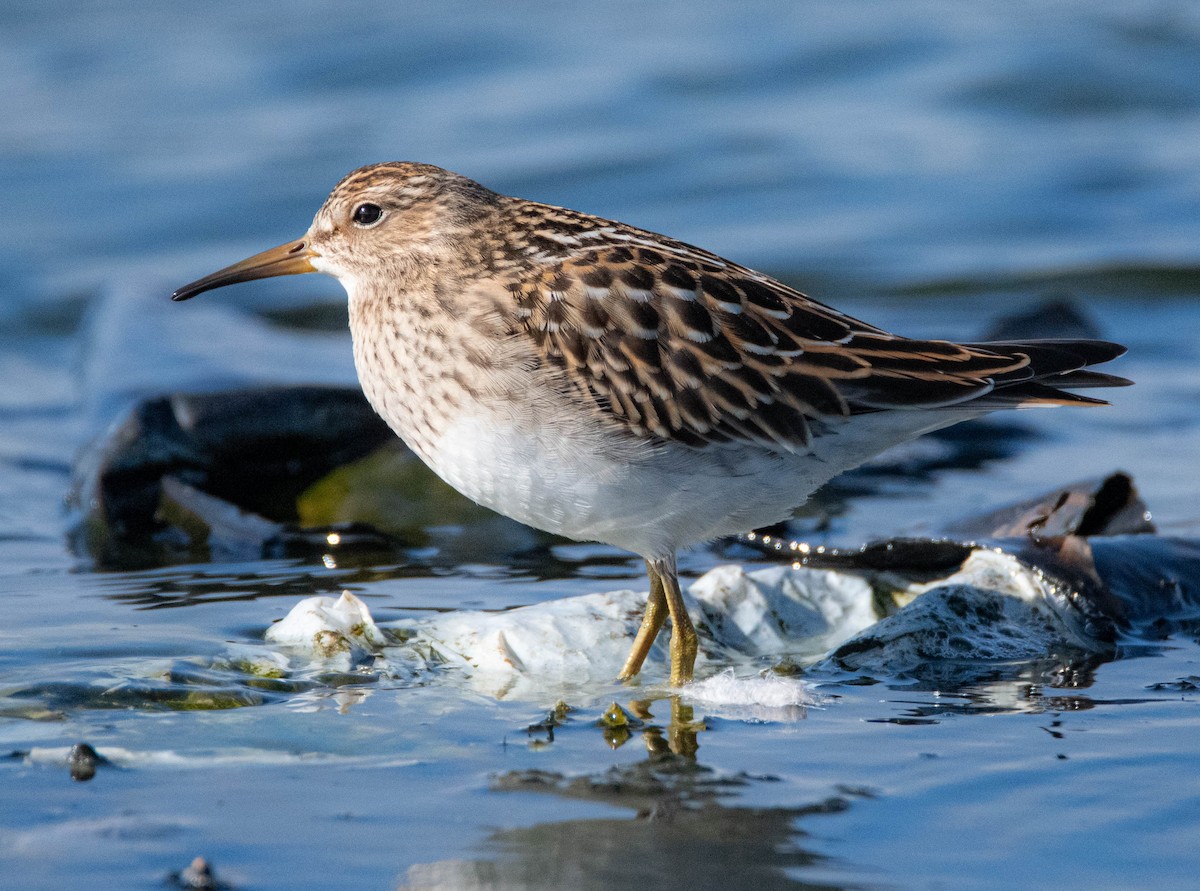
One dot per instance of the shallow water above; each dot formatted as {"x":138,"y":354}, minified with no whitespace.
{"x":925,"y":166}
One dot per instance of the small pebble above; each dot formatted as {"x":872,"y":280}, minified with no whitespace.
{"x":198,"y":877}
{"x":83,"y":760}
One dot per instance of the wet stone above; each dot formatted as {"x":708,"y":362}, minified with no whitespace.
{"x":256,"y":448}
{"x":83,"y":761}
{"x":198,"y":876}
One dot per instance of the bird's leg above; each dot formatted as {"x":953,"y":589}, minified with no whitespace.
{"x":652,"y":622}
{"x":683,"y":633}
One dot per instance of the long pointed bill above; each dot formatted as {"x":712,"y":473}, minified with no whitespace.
{"x":293,"y":258}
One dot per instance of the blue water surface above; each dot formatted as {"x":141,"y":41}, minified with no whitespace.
{"x":929,"y":166}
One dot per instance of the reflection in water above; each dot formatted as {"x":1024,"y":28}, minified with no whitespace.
{"x":619,"y":725}
{"x":680,"y":834}
{"x":681,"y":737}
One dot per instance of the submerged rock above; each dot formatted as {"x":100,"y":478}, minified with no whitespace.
{"x":1056,"y":316}
{"x":250,"y":451}
{"x":1108,"y":506}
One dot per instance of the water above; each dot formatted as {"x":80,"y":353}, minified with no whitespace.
{"x":927,"y":166}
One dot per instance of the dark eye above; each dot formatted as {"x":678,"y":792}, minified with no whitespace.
{"x":367,"y":214}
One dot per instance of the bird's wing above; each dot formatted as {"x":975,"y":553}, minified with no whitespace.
{"x":679,"y":344}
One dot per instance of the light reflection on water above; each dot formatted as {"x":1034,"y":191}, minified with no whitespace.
{"x":857,"y":151}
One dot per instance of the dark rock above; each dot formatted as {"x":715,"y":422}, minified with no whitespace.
{"x":1108,"y":506}
{"x":1056,"y":316}
{"x":198,"y":876}
{"x":256,"y":449}
{"x":83,"y":761}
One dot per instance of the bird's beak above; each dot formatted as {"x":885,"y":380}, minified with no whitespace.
{"x":292,"y":258}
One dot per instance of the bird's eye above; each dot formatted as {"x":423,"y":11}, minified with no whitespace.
{"x":367,"y":215}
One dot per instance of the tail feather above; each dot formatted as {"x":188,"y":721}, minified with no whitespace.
{"x":1047,"y":355}
{"x":1085,"y":379}
{"x":970,"y":377}
{"x":1057,"y":367}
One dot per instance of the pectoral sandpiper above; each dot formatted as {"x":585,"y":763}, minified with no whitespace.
{"x":605,"y":383}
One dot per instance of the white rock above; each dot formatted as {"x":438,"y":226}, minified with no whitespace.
{"x":994,"y":608}
{"x":337,"y":631}
{"x":781,"y":610}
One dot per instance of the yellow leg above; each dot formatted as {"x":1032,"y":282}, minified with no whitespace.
{"x":683,"y":633}
{"x":652,"y":622}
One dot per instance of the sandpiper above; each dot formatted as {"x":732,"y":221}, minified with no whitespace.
{"x":606,"y":383}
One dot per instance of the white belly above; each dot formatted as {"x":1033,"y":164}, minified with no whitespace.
{"x":582,"y":485}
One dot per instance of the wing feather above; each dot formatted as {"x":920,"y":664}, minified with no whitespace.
{"x":679,"y":344}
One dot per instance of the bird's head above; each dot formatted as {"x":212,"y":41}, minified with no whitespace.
{"x":394,"y":217}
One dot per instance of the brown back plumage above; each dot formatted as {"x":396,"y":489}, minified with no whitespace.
{"x":683,"y":345}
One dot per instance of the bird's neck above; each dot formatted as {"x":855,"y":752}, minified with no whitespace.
{"x":423,"y":358}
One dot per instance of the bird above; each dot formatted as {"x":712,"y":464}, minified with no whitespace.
{"x":606,"y":383}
